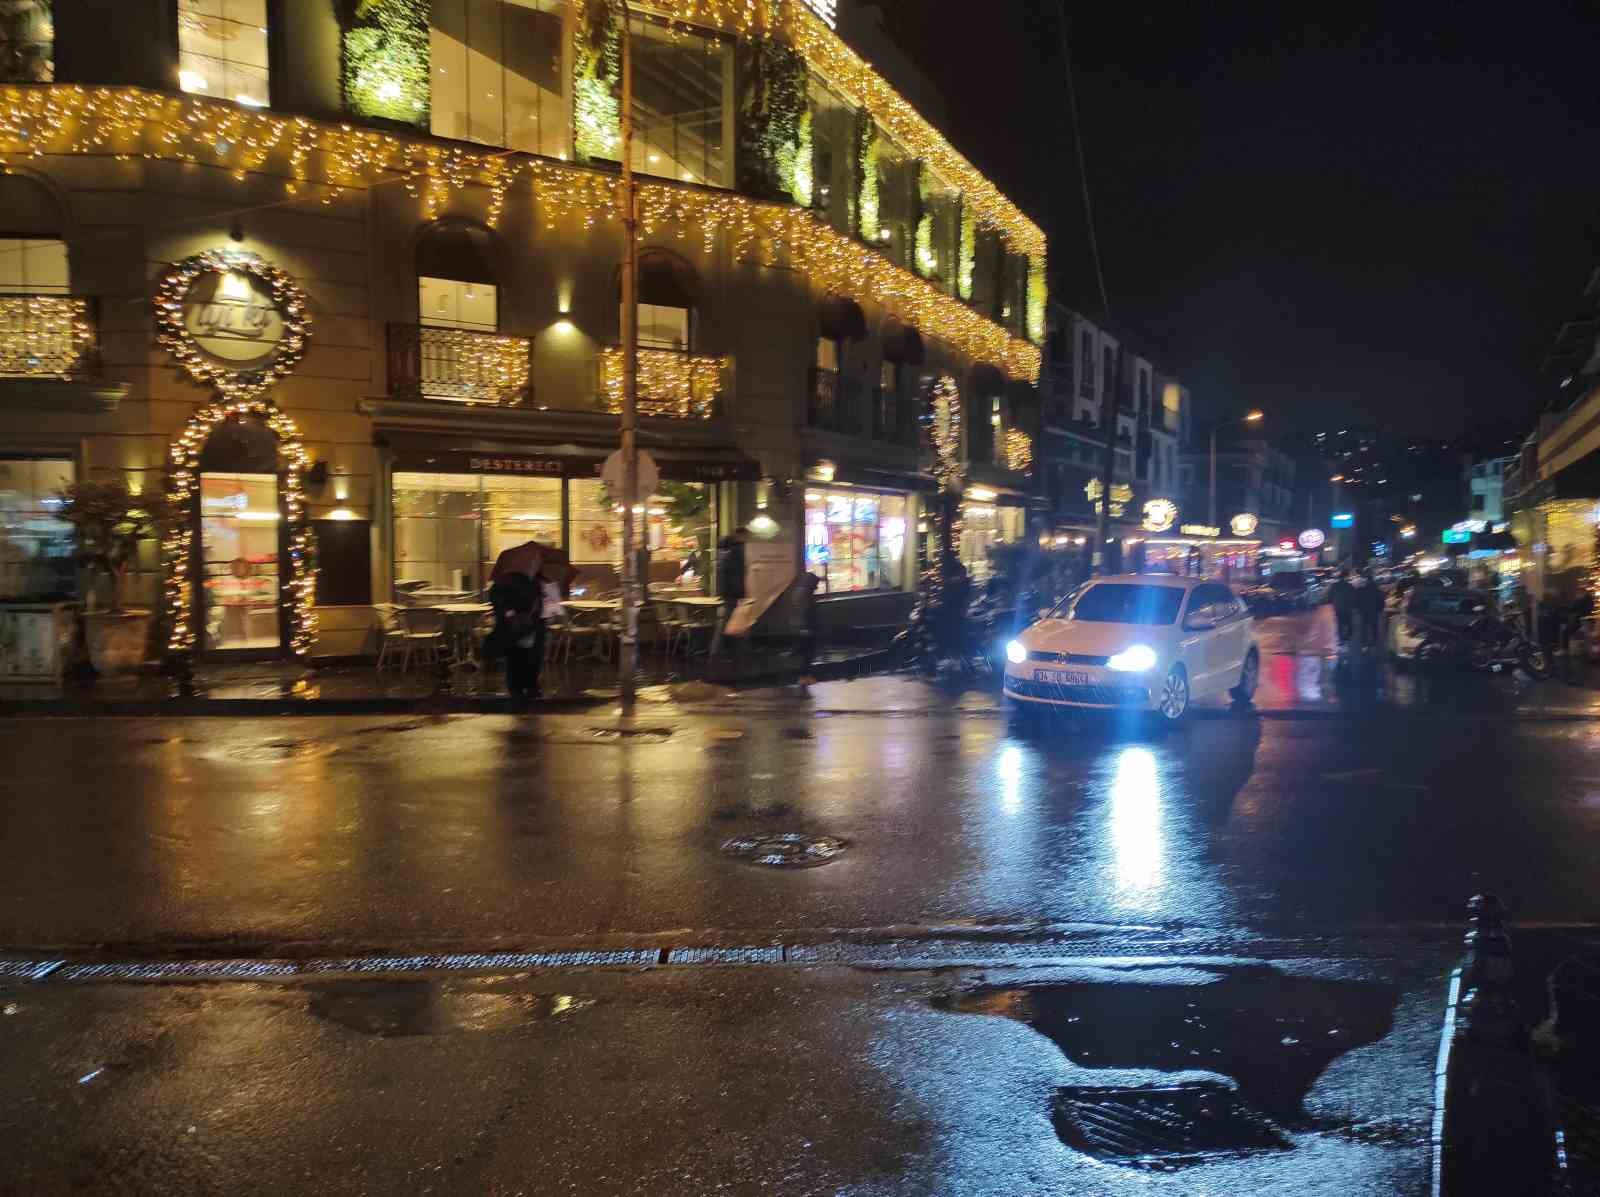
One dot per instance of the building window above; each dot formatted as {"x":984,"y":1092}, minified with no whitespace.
{"x":683,"y":102}
{"x":27,"y":42}
{"x":497,"y":75}
{"x":222,"y":49}
{"x":1086,"y":364}
{"x":36,"y":552}
{"x":828,"y":354}
{"x":679,"y":528}
{"x":449,"y":528}
{"x":856,"y":540}
{"x":666,"y":302}
{"x":983,"y":527}
{"x":1144,"y":391}
{"x":1171,"y":406}
{"x":450,"y":303}
{"x":33,"y":266}
{"x":832,"y":159}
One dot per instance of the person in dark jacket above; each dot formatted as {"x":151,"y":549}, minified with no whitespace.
{"x":519,"y":631}
{"x":1369,"y":601}
{"x":1342,"y":597}
{"x":808,"y":621}
{"x":730,"y":580}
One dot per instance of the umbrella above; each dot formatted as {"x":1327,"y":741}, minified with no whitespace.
{"x":532,"y":558}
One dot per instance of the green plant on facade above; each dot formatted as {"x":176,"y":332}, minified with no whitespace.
{"x":772,"y":112}
{"x":969,"y":252}
{"x":596,"y":75}
{"x":1038,"y":294}
{"x":925,"y":257}
{"x":384,"y":59}
{"x":868,"y":206}
{"x":803,"y":175}
{"x":26,"y":46}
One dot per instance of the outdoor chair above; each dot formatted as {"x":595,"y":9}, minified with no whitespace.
{"x":424,"y":635}
{"x":675,"y":628}
{"x":391,"y":632}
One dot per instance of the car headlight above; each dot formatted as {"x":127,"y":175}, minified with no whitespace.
{"x":1015,"y":653}
{"x":1133,"y":660}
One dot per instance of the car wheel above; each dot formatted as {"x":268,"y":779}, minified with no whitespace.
{"x":1249,"y":679}
{"x":1173,"y":703}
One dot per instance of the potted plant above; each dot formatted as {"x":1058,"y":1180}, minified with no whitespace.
{"x":108,"y":522}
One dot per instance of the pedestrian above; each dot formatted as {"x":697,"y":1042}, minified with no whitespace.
{"x":1369,"y":601}
{"x":807,"y":599}
{"x":1342,"y":597}
{"x":518,"y":601}
{"x":730,"y":580}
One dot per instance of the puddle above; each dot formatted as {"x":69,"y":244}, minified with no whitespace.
{"x":392,"y":1010}
{"x":786,"y":850}
{"x":1273,"y":1034}
{"x":276,"y":752}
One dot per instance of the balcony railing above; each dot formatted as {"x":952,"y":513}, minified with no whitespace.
{"x":457,"y":365}
{"x":46,"y":336}
{"x":672,"y":383}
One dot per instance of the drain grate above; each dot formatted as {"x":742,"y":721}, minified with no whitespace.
{"x":637,"y":735}
{"x":1161,"y":1128}
{"x":787,"y":850}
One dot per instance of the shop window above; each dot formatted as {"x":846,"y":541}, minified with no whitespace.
{"x":855,"y":540}
{"x":239,"y":560}
{"x":983,"y":527}
{"x":449,"y":528}
{"x":35,"y":542}
{"x":679,"y":532}
{"x":682,"y":103}
{"x":222,"y":49}
{"x":27,"y":42}
{"x":497,"y":77}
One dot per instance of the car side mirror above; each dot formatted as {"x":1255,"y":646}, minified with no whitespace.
{"x":1200,"y":621}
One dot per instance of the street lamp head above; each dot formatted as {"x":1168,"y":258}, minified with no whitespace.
{"x":1255,"y":416}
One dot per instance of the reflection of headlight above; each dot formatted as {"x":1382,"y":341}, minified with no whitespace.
{"x":1134,"y":660}
{"x":1015,"y":653}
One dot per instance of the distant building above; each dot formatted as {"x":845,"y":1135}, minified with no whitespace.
{"x":1487,"y":486}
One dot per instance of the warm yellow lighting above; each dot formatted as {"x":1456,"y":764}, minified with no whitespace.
{"x":823,"y":471}
{"x":191,"y":81}
{"x":982,"y":494}
{"x":342,"y":513}
{"x":1337,"y":478}
{"x":1255,"y":417}
{"x":669,"y":383}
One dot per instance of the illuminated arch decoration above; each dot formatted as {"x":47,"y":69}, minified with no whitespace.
{"x":174,"y":336}
{"x":944,"y":432}
{"x":177,"y":545}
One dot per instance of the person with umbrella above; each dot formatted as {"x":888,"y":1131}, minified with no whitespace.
{"x":521,"y":578}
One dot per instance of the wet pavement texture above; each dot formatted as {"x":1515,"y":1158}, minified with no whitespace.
{"x":669,"y":1082}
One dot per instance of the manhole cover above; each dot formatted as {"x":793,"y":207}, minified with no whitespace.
{"x":787,"y":850}
{"x":1161,"y":1128}
{"x":633,"y":735}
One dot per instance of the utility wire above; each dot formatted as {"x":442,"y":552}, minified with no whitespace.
{"x":1083,"y":169}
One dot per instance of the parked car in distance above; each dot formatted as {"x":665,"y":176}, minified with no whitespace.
{"x":1141,"y":642}
{"x":1446,"y":606}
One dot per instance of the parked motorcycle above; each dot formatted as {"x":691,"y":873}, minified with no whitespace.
{"x":1487,"y":644}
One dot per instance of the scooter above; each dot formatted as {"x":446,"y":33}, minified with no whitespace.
{"x":1487,"y":644}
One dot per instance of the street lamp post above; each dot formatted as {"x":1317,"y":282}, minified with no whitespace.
{"x":1251,"y":417}
{"x":628,"y":655}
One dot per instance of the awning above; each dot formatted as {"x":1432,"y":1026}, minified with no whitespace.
{"x":903,"y":343}
{"x":429,"y":454}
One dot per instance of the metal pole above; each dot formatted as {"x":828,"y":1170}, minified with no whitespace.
{"x":1108,"y":425}
{"x":1214,"y":429}
{"x":628,"y":657}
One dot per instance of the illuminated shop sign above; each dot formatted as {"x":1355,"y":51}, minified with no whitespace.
{"x":1244,"y":524}
{"x":1159,"y":515}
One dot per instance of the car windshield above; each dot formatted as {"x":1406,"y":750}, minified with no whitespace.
{"x":1117,"y":602}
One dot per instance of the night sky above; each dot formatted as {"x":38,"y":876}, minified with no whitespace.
{"x":1377,"y":218}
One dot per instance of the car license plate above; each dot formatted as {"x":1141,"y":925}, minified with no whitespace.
{"x":1061,"y":677}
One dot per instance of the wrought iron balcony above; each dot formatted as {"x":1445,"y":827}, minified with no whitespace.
{"x":457,"y":365}
{"x":672,"y":383}
{"x":46,"y":336}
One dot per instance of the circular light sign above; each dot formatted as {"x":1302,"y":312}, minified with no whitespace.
{"x":1312,"y":538}
{"x":1159,"y":515}
{"x":232,"y":320}
{"x":1244,"y":524}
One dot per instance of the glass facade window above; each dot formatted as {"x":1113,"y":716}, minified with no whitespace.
{"x":27,"y":42}
{"x":447,"y":303}
{"x":680,"y":533}
{"x":497,"y":74}
{"x":938,"y":237}
{"x":855,"y":540}
{"x":239,"y":560}
{"x":222,"y":49}
{"x":897,"y":198}
{"x":35,"y":542}
{"x":662,"y":326}
{"x":833,"y":122}
{"x":982,"y":527}
{"x":33,"y":266}
{"x":683,"y":102}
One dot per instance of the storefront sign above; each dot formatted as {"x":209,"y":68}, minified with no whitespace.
{"x":233,"y":320}
{"x":1244,"y":524}
{"x":1457,"y":536}
{"x":1343,"y":519}
{"x":1121,"y":495}
{"x":1313,"y":538}
{"x":1200,"y":530}
{"x":566,"y":465}
{"x":554,"y":466}
{"x":1159,"y":515}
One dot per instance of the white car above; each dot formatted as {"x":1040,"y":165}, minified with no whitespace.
{"x":1137,"y":642}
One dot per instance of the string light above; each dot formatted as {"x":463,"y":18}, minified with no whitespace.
{"x":1019,"y":451}
{"x":471,"y":367}
{"x":44,"y":336}
{"x":124,"y":121}
{"x":669,"y":383}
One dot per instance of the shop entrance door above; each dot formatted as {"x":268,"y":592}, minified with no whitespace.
{"x":240,"y":563}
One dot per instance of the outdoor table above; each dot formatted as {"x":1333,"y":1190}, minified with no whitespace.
{"x":461,"y":618}
{"x":592,"y":604}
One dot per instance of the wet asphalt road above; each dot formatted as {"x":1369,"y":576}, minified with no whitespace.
{"x":1353,"y":836}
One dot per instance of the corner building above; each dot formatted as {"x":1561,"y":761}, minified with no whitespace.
{"x":343,"y":280}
